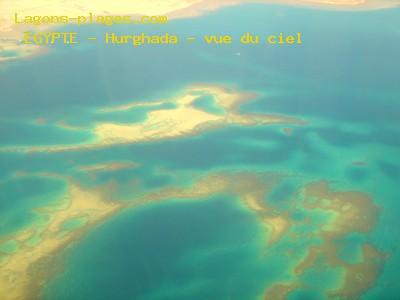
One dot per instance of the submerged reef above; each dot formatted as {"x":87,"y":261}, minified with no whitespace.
{"x":39,"y":248}
{"x":184,"y":119}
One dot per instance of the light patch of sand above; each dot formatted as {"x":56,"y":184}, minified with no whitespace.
{"x":251,"y":188}
{"x":353,"y":212}
{"x":278,"y":226}
{"x":277,"y":223}
{"x":280,"y":291}
{"x":160,"y":124}
{"x":361,"y":276}
{"x":64,"y":125}
{"x":358,"y":277}
{"x":130,"y":106}
{"x":107,"y":167}
{"x":253,"y":202}
{"x":17,"y":280}
{"x":12,"y":49}
{"x":183,"y":120}
{"x":23,"y":271}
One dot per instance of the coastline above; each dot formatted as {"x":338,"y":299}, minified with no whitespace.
{"x":166,"y":124}
{"x":23,"y":278}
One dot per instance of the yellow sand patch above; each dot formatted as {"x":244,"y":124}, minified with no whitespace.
{"x":130,"y":106}
{"x":24,"y":270}
{"x":183,"y":120}
{"x":17,"y":279}
{"x":353,"y":212}
{"x":280,"y":291}
{"x":111,"y":166}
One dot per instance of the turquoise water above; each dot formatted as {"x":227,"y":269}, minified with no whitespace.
{"x":20,"y":197}
{"x":175,"y":251}
{"x":343,"y":80}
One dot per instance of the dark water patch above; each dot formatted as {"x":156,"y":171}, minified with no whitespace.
{"x":25,"y":134}
{"x":160,"y":248}
{"x":207,"y":103}
{"x":262,"y":146}
{"x":389,"y":169}
{"x":305,"y":295}
{"x":283,"y":192}
{"x":348,"y":138}
{"x":358,"y":174}
{"x":350,"y":248}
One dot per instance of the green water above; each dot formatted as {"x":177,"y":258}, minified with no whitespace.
{"x":343,"y":80}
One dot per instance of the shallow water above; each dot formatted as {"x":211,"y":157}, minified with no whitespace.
{"x":343,"y":81}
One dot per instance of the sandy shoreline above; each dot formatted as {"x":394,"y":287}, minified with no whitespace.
{"x":23,"y":270}
{"x":164,"y":124}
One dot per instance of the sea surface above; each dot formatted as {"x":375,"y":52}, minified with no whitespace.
{"x":342,"y":82}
